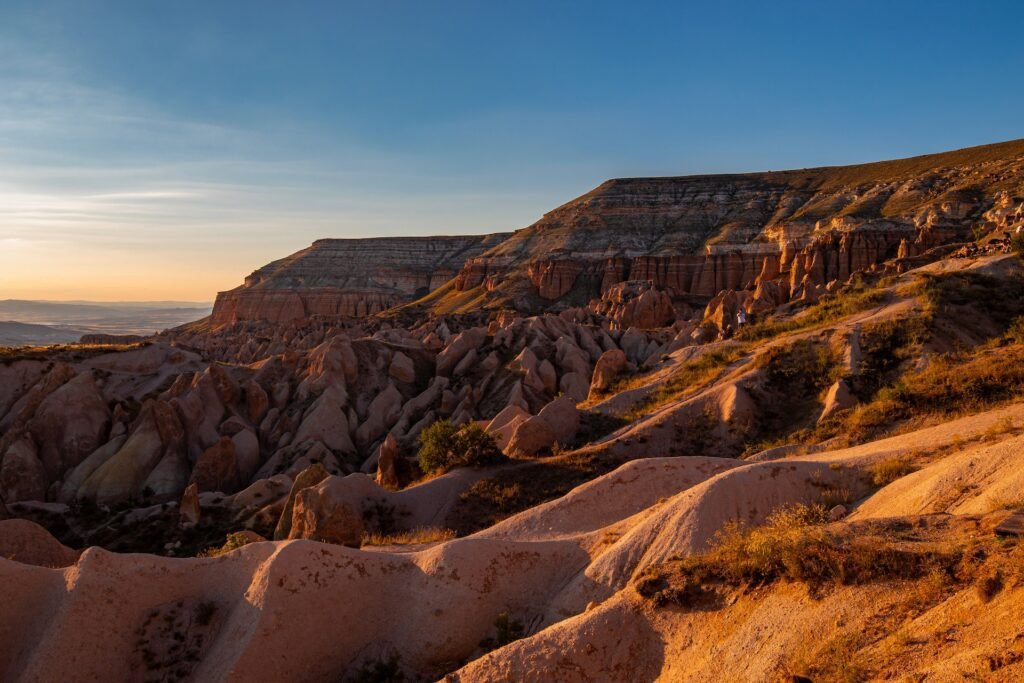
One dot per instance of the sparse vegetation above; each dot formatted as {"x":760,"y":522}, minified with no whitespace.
{"x":794,"y":377}
{"x":233,"y":542}
{"x":887,"y":471}
{"x":827,"y":310}
{"x":412,"y":537}
{"x":384,"y":670}
{"x":444,"y":446}
{"x":62,"y":352}
{"x":1017,"y":244}
{"x":515,"y":489}
{"x":974,"y":304}
{"x":688,"y":378}
{"x":794,"y":544}
{"x":949,"y":385}
{"x":506,"y":630}
{"x":885,"y":347}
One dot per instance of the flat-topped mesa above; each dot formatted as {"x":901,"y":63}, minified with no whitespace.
{"x":700,"y":235}
{"x":349,"y":277}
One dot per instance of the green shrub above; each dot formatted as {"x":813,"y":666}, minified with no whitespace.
{"x":444,"y":446}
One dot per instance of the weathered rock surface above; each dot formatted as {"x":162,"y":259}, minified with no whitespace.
{"x":556,"y":423}
{"x":348,"y":277}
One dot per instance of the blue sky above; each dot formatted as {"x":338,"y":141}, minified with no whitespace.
{"x":165,"y":150}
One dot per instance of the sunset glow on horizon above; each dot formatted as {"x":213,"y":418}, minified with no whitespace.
{"x":158,"y":152}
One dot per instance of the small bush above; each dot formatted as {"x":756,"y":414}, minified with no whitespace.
{"x":989,"y":583}
{"x":506,"y":630}
{"x":887,"y":471}
{"x":232,"y":542}
{"x":444,"y":446}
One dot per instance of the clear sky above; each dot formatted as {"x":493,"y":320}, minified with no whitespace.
{"x":164,"y":150}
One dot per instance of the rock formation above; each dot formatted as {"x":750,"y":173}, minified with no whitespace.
{"x":594,"y":347}
{"x":348,"y":277}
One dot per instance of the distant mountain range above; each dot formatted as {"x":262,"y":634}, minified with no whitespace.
{"x":24,"y":322}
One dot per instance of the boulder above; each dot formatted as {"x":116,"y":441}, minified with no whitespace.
{"x":548,"y":376}
{"x":217,"y":468}
{"x":387,"y":457}
{"x":381,"y":416}
{"x":73,"y":480}
{"x":247,"y":454}
{"x":460,"y":345}
{"x":557,"y":423}
{"x":310,"y":476}
{"x":575,"y":386}
{"x":256,"y":402}
{"x":838,"y":398}
{"x":401,"y":368}
{"x":70,"y":424}
{"x":326,"y":422}
{"x":189,"y":510}
{"x":323,"y":518}
{"x":608,"y":367}
{"x":22,"y":475}
{"x":158,"y":438}
{"x":504,"y":424}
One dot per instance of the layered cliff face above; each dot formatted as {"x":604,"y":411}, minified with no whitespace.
{"x":348,"y":277}
{"x":700,"y":235}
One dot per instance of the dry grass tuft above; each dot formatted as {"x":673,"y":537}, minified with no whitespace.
{"x":412,"y":537}
{"x":886,"y":472}
{"x":687,"y":379}
{"x":795,"y":545}
{"x":828,"y":310}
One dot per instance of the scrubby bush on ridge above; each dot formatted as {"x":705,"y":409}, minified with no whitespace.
{"x":444,"y":446}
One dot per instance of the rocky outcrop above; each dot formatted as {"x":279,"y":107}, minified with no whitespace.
{"x":699,"y":235}
{"x":28,"y":543}
{"x":608,"y":367}
{"x":151,"y":463}
{"x":319,"y":516}
{"x":556,"y":423}
{"x":635,"y":303}
{"x":348,"y":277}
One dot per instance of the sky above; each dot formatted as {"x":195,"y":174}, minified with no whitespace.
{"x":164,"y":150}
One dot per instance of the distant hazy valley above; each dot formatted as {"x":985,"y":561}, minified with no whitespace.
{"x":60,"y":322}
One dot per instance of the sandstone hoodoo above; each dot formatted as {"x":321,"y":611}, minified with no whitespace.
{"x":348,"y":277}
{"x":625,"y":443}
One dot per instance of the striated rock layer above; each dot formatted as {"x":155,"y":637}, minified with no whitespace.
{"x":348,"y":277}
{"x":699,"y":235}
